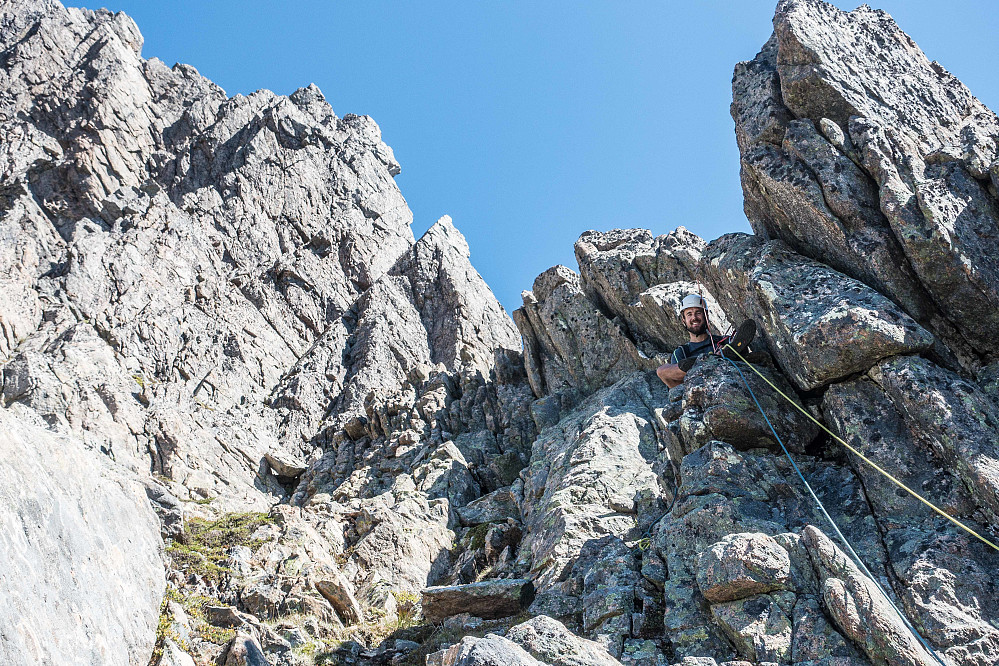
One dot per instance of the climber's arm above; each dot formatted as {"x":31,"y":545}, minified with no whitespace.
{"x":671,"y":374}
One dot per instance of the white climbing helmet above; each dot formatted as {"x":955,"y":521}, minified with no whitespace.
{"x":692,"y":301}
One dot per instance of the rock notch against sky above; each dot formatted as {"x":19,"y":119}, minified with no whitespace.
{"x":248,"y":418}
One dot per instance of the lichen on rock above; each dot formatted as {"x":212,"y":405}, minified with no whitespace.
{"x":228,"y":363}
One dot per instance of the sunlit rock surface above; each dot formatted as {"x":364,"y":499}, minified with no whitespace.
{"x":213,"y":312}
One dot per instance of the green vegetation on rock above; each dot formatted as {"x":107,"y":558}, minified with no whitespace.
{"x":204,"y":546}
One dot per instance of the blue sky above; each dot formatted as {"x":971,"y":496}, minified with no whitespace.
{"x":531,"y":122}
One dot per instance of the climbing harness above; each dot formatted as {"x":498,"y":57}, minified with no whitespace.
{"x":853,"y":553}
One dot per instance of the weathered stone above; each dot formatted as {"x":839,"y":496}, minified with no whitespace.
{"x":955,"y":416}
{"x":174,"y":655}
{"x":488,"y":599}
{"x":550,"y":641}
{"x":285,"y":467}
{"x":395,"y":550}
{"x":858,"y":609}
{"x":742,"y":565}
{"x":724,"y":492}
{"x":243,"y":650}
{"x":492,"y":650}
{"x":486,"y":548}
{"x":497,"y":505}
{"x":717,"y":406}
{"x":222,"y":616}
{"x":816,"y":642}
{"x":988,"y":379}
{"x":819,"y":324}
{"x":579,"y":504}
{"x":642,"y":280}
{"x":569,"y":344}
{"x":80,"y":533}
{"x":340,"y":593}
{"x":758,"y":627}
{"x":910,"y":437}
{"x":892,"y":194}
{"x":639,"y":652}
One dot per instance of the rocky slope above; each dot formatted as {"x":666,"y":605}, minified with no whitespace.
{"x":351,"y":454}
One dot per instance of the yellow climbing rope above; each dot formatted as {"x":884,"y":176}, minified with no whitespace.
{"x":862,"y":456}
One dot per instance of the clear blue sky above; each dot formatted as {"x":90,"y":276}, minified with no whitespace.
{"x":531,"y":122}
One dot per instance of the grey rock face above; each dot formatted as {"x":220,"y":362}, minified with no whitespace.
{"x":642,"y":280}
{"x":884,"y":187}
{"x":586,"y":352}
{"x":194,"y":233}
{"x":221,"y":302}
{"x":83,"y":538}
{"x":964,"y":437}
{"x":550,"y":641}
{"x":581,"y":496}
{"x":819,"y":324}
{"x":724,"y":492}
{"x":210,"y":289}
{"x":900,"y":422}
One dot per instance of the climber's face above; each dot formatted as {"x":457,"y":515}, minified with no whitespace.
{"x":693,"y":319}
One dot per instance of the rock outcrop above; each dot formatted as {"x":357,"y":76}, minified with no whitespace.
{"x":896,"y":188}
{"x":81,"y":552}
{"x":227,"y":362}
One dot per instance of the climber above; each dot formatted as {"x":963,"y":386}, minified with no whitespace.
{"x":694,"y":314}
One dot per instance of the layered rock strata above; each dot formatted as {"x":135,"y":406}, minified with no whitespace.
{"x":213,"y":311}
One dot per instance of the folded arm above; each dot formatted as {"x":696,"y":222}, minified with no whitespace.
{"x":671,"y":374}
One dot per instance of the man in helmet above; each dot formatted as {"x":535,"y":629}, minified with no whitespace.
{"x":694,"y":314}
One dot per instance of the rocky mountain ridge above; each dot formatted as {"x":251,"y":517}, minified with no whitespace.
{"x":270,"y":426}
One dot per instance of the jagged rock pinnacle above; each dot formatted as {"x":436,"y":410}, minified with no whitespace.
{"x":248,"y":418}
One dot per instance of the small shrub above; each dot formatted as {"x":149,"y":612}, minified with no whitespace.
{"x":164,"y":630}
{"x":213,"y":634}
{"x":203,"y":548}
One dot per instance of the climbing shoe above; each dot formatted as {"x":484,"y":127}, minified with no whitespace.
{"x":687,"y":363}
{"x":743,"y":336}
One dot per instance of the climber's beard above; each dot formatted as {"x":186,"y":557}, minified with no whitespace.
{"x":698,"y":328}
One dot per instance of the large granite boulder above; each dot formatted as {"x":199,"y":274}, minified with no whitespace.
{"x":81,"y":552}
{"x":492,"y":650}
{"x":489,"y":599}
{"x":891,"y":188}
{"x":550,"y":641}
{"x":819,"y":324}
{"x":741,"y":565}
